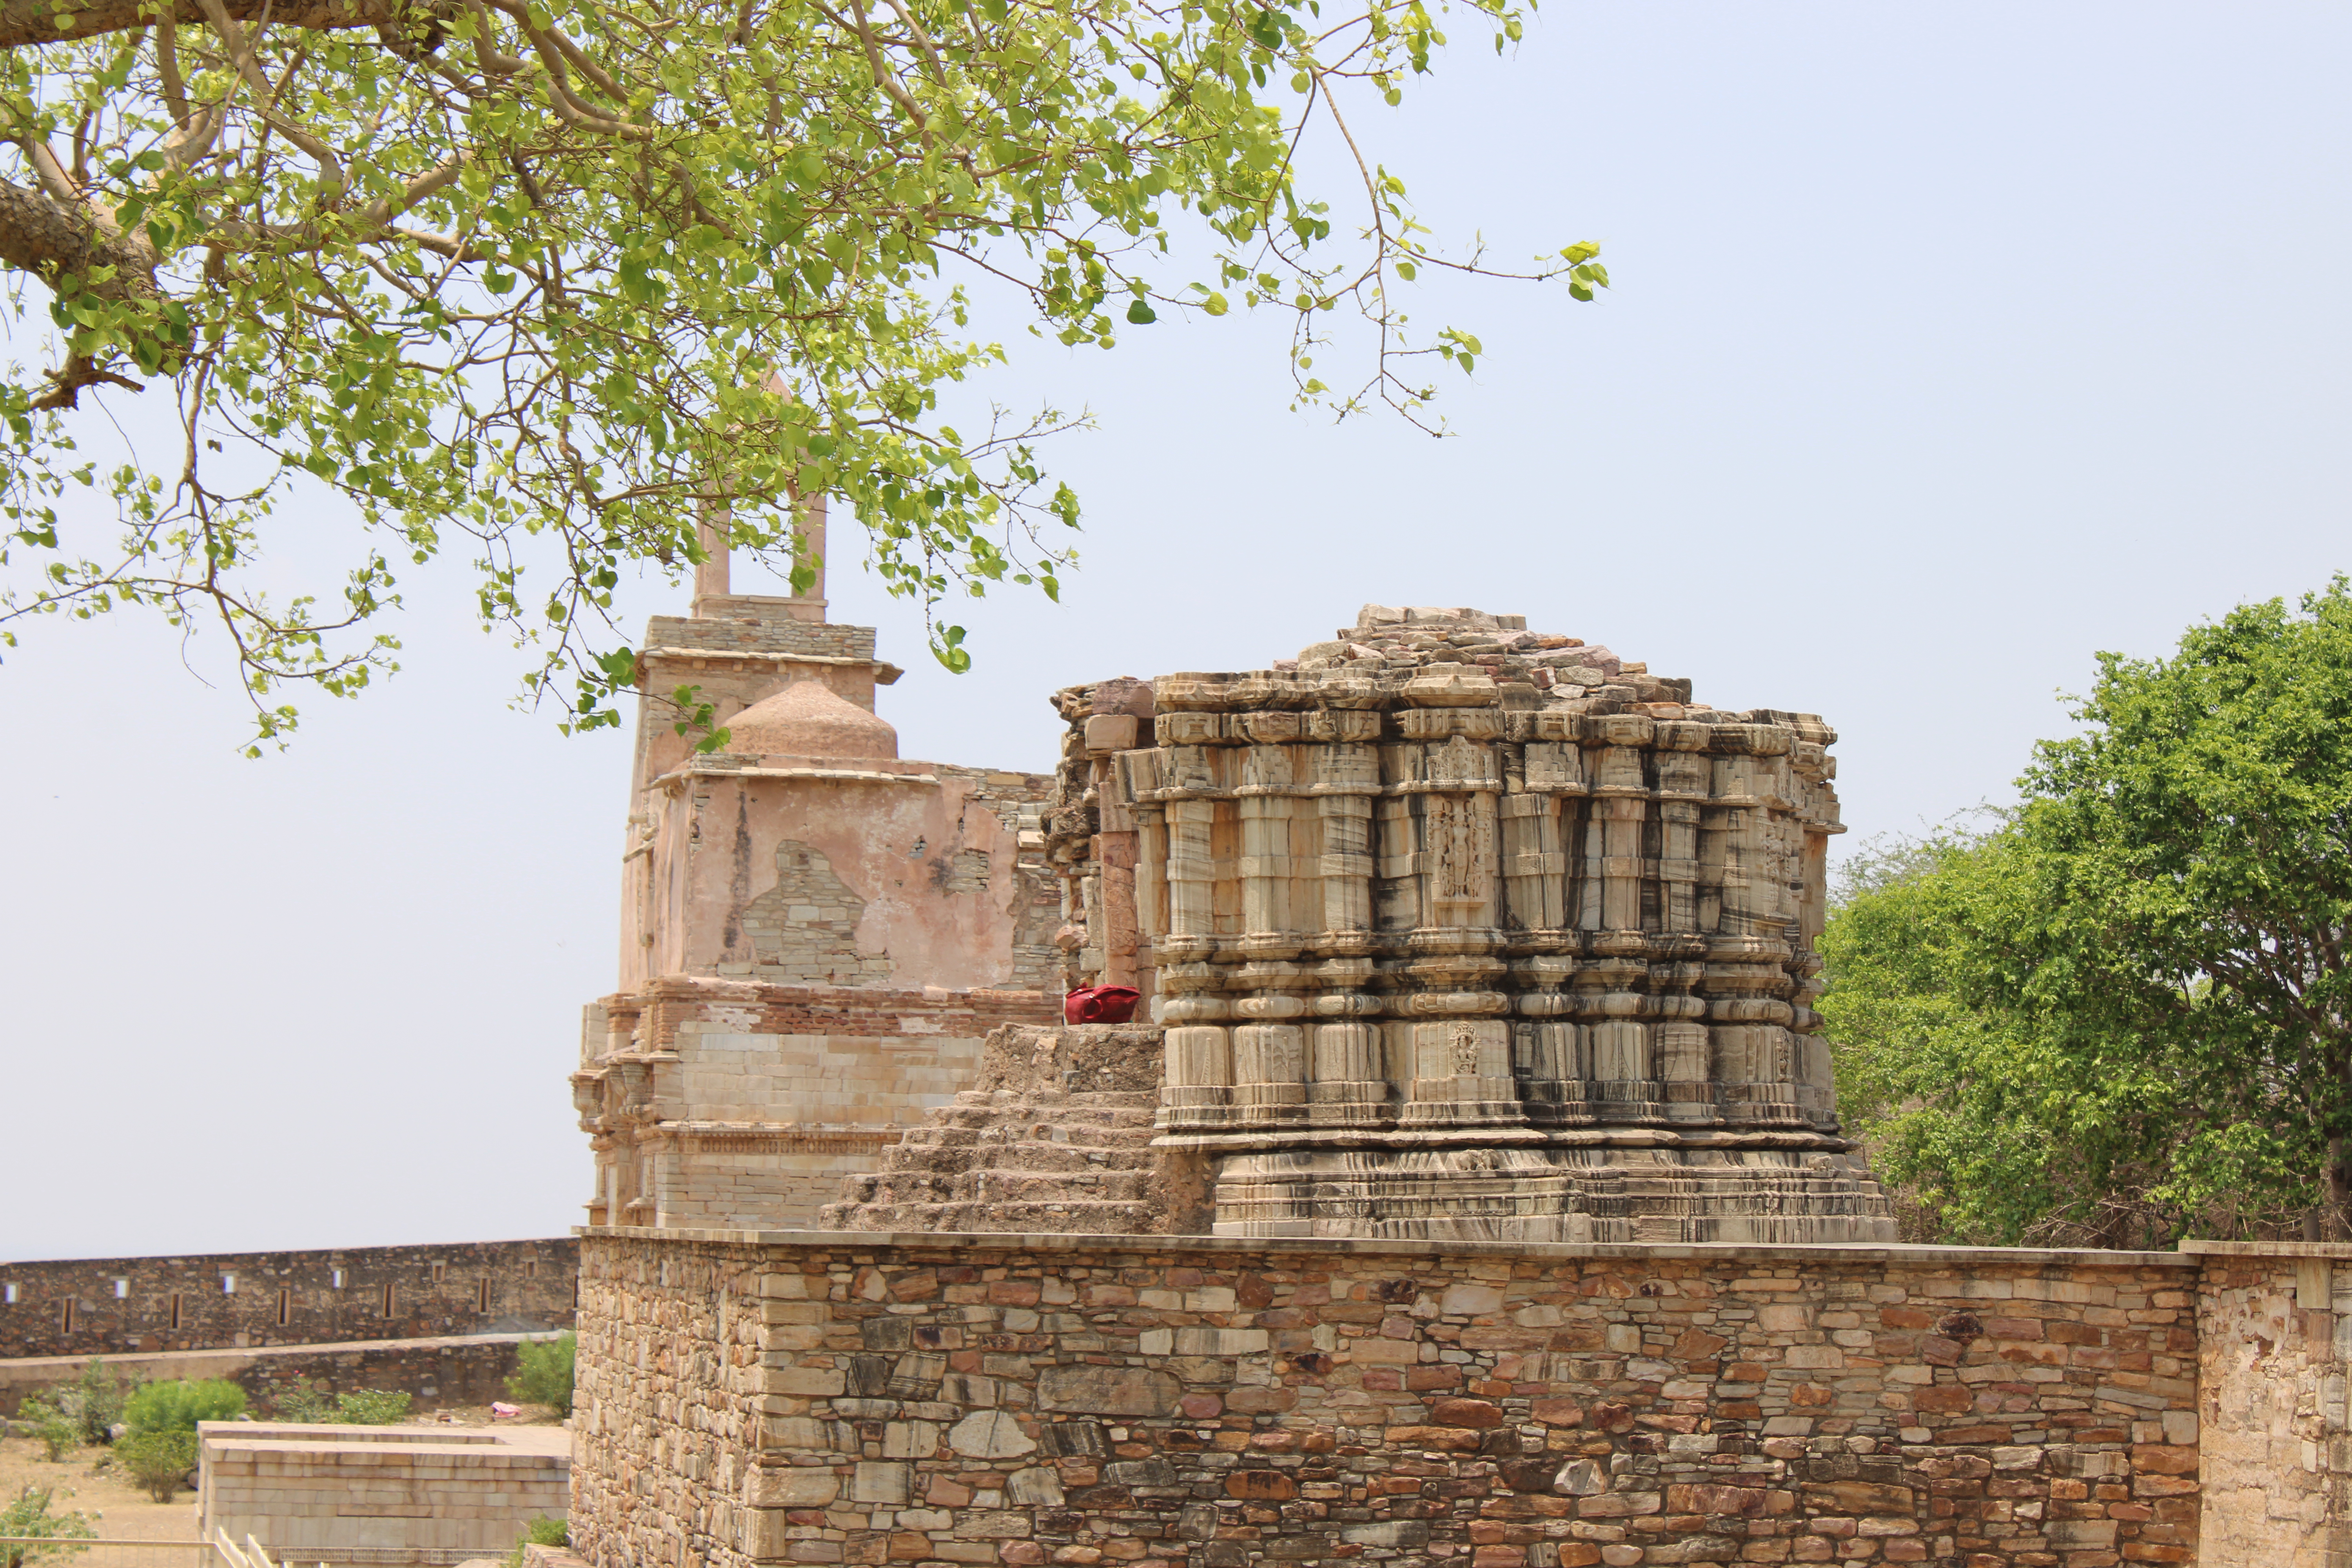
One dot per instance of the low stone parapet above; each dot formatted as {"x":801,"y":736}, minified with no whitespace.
{"x":379,"y":1497}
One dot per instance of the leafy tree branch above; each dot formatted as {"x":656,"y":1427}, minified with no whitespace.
{"x":551,"y":282}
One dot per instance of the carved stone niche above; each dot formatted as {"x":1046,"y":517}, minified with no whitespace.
{"x":1477,"y":945}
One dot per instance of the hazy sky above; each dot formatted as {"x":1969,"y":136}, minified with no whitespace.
{"x":1949,"y":345}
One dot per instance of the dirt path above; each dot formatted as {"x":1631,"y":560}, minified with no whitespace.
{"x":119,"y":1510}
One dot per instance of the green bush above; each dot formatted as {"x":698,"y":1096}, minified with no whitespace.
{"x":539,"y":1532}
{"x":177,"y":1406}
{"x":544,"y":1371}
{"x":160,"y":1460}
{"x":96,"y":1401}
{"x":57,"y":1432}
{"x":303,"y":1402}
{"x":29,"y":1515}
{"x":370,"y":1407}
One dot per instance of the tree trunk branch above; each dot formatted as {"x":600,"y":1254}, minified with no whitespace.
{"x":24,"y":22}
{"x":49,"y":239}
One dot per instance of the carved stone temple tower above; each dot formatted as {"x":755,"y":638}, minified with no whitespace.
{"x":815,"y":933}
{"x":1455,"y":930}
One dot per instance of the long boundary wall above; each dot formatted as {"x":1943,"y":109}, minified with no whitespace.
{"x":826,"y":1397}
{"x":434,"y":1373}
{"x":240,"y":1300}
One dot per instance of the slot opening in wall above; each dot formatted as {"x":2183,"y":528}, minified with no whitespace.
{"x":439,"y":1269}
{"x":388,"y":1298}
{"x":285,"y":1308}
{"x":339,"y":1278}
{"x":176,"y":1309}
{"x":229,"y":1284}
{"x":66,"y":1315}
{"x":482,"y":1295}
{"x":121,"y":1289}
{"x":531,"y":1267}
{"x":8,"y":1295}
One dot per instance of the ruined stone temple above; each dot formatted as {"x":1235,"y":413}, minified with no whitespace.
{"x":1444,"y":928}
{"x":1467,"y":1191}
{"x":815,"y":933}
{"x":1448,"y":929}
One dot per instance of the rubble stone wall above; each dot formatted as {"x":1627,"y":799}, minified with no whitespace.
{"x":435,"y":1374}
{"x":2276,"y":1330}
{"x":94,"y":1306}
{"x":1227,"y":1401}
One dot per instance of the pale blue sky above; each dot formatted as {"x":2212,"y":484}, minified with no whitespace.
{"x":1948,"y":346}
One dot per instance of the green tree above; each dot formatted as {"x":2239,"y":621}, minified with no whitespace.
{"x":179,"y":1405}
{"x":556,"y":281}
{"x":544,"y":1371}
{"x":2120,"y":1015}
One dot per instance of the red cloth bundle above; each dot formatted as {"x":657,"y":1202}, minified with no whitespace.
{"x":1101,"y":1003}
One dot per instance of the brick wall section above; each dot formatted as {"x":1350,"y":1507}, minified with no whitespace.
{"x":1225,"y":1402}
{"x":2274,"y":1333}
{"x":436,"y":1289}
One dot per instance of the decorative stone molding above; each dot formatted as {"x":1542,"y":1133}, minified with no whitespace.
{"x":1464,"y":930}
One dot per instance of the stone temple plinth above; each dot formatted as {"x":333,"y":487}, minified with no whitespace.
{"x":1456,"y":930}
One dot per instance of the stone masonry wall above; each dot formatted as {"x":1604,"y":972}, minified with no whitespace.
{"x":434,"y":1372}
{"x":237,"y":1299}
{"x":2274,"y":1333}
{"x":742,"y":1104}
{"x":1227,"y":1402}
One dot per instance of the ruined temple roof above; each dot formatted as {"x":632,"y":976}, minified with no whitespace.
{"x":807,"y":719}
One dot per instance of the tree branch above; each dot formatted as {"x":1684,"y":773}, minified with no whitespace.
{"x":24,"y":22}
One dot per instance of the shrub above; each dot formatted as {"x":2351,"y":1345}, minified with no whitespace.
{"x":177,"y":1406}
{"x":539,"y":1532}
{"x":160,"y":1460}
{"x":544,"y":1371}
{"x":370,"y":1407}
{"x":97,"y":1400}
{"x":29,"y":1515}
{"x":303,"y":1402}
{"x":57,"y":1432}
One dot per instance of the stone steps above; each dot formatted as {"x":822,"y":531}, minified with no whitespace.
{"x":989,"y":1185}
{"x":1028,"y":1129}
{"x":1032,"y":1156}
{"x":1067,"y":1217}
{"x":1028,"y":1152}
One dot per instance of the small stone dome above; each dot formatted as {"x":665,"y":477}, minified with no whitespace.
{"x":807,"y":719}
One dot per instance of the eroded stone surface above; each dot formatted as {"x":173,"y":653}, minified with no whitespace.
{"x":1465,"y":930}
{"x":1055,"y":1135}
{"x":817,"y":933}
